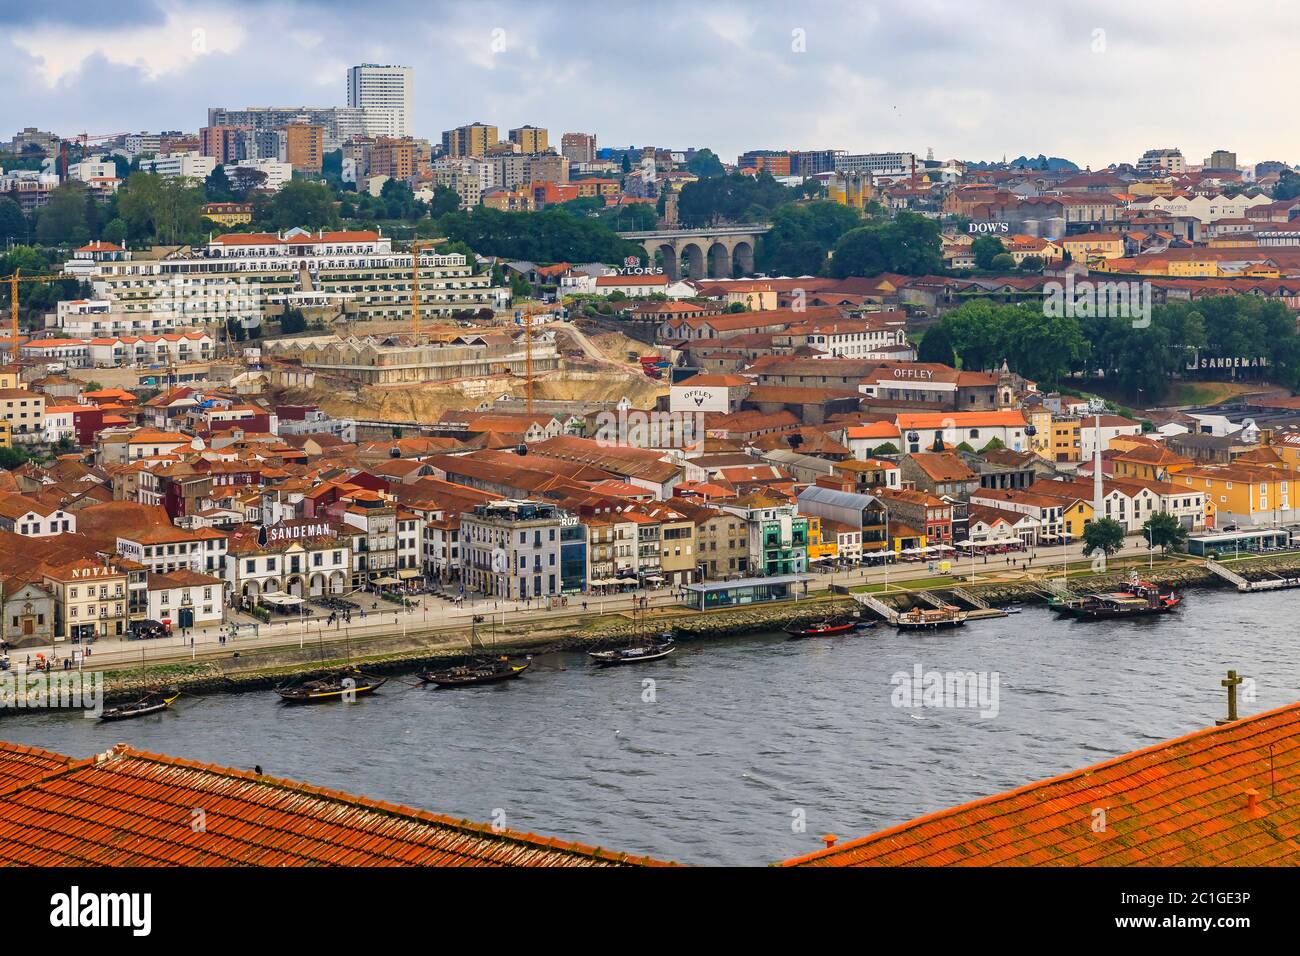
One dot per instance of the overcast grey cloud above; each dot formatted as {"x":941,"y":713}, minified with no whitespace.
{"x":972,"y":80}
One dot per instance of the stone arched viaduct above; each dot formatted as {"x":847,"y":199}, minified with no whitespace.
{"x":720,"y":253}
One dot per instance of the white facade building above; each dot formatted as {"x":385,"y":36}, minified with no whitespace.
{"x":382,"y":87}
{"x":185,"y":165}
{"x":277,"y":172}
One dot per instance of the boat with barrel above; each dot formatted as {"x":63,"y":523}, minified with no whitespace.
{"x":1139,"y":599}
{"x":931,"y":619}
{"x":482,"y":668}
{"x":154,"y":702}
{"x":829,"y":628}
{"x":640,"y":652}
{"x":346,"y":685}
{"x":478,"y":671}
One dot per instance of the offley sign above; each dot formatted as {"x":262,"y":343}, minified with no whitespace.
{"x":632,"y":267}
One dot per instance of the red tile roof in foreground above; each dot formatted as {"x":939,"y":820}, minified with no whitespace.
{"x":1184,"y":802}
{"x":126,"y":807}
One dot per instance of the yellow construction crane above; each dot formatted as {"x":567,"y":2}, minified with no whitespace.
{"x":13,"y":281}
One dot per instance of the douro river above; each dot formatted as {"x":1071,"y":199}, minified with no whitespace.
{"x":747,"y":750}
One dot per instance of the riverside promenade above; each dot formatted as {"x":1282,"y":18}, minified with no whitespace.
{"x":443,"y":625}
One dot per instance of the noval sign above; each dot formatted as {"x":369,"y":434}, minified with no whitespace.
{"x":988,"y":227}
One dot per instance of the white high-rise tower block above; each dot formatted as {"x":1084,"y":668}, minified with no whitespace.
{"x":374,"y":86}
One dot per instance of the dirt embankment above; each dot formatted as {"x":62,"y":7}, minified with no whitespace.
{"x":578,"y":381}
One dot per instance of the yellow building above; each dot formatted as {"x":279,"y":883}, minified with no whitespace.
{"x":5,"y":441}
{"x":1091,"y":246}
{"x":90,"y":600}
{"x":1147,"y":462}
{"x":229,"y":213}
{"x":820,"y":547}
{"x":9,"y":377}
{"x":1058,"y":439}
{"x":1155,"y":187}
{"x":24,"y":414}
{"x":1075,"y":513}
{"x":1246,"y":494}
{"x":851,"y":189}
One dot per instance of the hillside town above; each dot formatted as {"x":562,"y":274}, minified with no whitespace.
{"x":303,"y":401}
{"x":253,"y":424}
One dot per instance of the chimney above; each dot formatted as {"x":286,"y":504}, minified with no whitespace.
{"x":1252,"y":803}
{"x":829,"y":839}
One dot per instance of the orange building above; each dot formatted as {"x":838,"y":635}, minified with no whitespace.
{"x":304,"y":146}
{"x":392,"y":157}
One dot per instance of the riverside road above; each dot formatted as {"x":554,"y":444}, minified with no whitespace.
{"x":431,"y":615}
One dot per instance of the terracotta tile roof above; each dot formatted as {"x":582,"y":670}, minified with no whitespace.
{"x":1184,"y":802}
{"x":20,"y":764}
{"x":943,"y":466}
{"x":131,"y":808}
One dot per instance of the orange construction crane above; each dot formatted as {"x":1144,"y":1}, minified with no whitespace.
{"x":13,"y":281}
{"x":84,"y":139}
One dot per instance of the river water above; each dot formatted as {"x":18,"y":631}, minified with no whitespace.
{"x":751,"y":748}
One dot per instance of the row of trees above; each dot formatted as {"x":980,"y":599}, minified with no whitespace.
{"x":552,"y":235}
{"x":1133,"y":356}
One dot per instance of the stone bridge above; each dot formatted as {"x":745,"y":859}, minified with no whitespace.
{"x":718,"y":253}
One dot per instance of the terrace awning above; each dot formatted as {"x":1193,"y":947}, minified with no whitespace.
{"x":407,"y":573}
{"x":386,"y":580}
{"x":281,"y":600}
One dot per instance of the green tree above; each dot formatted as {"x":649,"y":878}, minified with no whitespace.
{"x":162,"y":209}
{"x":1164,"y":531}
{"x":908,"y":245}
{"x":1003,"y":262}
{"x":1031,"y":264}
{"x":705,"y":164}
{"x":114,"y":231}
{"x":936,"y":346}
{"x":802,"y":236}
{"x":63,"y":220}
{"x":303,"y":203}
{"x":734,"y":198}
{"x":984,"y":248}
{"x":13,"y":224}
{"x":1105,"y":534}
{"x":993,"y":444}
{"x":216,"y":187}
{"x":1288,"y":186}
{"x":887,"y":448}
{"x":292,"y":321}
{"x":444,"y":201}
{"x":11,"y":458}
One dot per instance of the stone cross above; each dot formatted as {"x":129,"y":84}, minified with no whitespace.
{"x":1230,"y":682}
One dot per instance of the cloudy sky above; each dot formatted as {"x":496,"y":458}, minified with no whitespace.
{"x":973,"y":79}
